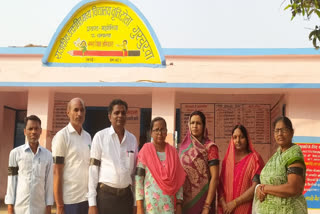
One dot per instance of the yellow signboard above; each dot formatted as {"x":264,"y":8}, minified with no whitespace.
{"x":104,"y":33}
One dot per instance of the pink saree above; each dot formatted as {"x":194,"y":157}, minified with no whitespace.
{"x":236,"y":177}
{"x":194,"y":158}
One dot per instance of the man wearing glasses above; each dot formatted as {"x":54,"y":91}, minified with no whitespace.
{"x":112,"y":165}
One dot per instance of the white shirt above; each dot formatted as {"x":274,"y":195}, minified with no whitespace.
{"x":75,"y":149}
{"x":118,"y":161}
{"x":31,"y":190}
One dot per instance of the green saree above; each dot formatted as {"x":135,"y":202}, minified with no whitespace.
{"x":275,"y":173}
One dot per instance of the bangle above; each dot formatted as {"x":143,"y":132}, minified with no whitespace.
{"x":235,"y":202}
{"x":262,"y":188}
{"x":179,"y":203}
{"x":60,"y":205}
{"x":206,"y":207}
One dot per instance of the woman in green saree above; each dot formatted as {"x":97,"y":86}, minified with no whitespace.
{"x":283,"y":177}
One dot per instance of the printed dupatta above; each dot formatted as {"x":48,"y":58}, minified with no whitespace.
{"x":194,"y":159}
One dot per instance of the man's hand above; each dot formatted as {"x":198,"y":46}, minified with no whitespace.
{"x":48,"y":209}
{"x":10,"y":209}
{"x":93,"y":210}
{"x":60,"y":209}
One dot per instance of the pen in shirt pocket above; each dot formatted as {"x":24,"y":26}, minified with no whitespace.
{"x":128,"y":152}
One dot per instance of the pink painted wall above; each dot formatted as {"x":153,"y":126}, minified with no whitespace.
{"x":212,"y":69}
{"x":17,"y":100}
{"x":304,"y":110}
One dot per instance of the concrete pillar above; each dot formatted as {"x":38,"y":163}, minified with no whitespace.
{"x":40,"y":103}
{"x":163,"y":105}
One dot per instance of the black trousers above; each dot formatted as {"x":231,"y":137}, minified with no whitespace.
{"x":113,"y":203}
{"x":79,"y":208}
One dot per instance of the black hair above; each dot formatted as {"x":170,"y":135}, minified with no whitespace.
{"x":117,"y":102}
{"x":31,"y":117}
{"x":155,"y":120}
{"x":201,"y":115}
{"x":287,"y":122}
{"x":244,"y":132}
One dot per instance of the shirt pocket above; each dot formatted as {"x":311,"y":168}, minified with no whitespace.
{"x":130,"y":161}
{"x":39,"y":169}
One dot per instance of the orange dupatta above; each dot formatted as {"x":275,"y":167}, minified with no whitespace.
{"x":231,"y":190}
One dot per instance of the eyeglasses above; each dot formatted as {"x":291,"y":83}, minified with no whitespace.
{"x":162,"y":131}
{"x":282,"y":130}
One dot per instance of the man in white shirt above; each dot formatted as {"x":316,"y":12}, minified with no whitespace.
{"x":112,"y":165}
{"x":30,"y":182}
{"x":71,"y":157}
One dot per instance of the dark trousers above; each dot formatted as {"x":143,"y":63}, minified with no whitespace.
{"x":111,"y":201}
{"x":79,"y":208}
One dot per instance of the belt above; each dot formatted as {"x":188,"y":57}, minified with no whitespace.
{"x":114,"y":191}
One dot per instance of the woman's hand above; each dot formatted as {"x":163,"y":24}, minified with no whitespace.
{"x":230,"y":206}
{"x":140,"y":209}
{"x":178,"y":209}
{"x":260,"y":193}
{"x":223,"y":204}
{"x":205,"y":210}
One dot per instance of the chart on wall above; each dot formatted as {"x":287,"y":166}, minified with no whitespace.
{"x":221,"y":118}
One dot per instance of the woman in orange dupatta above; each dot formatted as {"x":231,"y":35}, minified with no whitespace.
{"x":200,"y":159}
{"x":240,"y":172}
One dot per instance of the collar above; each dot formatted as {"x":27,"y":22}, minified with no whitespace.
{"x":112,"y":131}
{"x":26,"y":147}
{"x":71,"y":129}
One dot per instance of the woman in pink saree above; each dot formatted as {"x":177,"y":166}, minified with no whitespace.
{"x":200,"y":159}
{"x":240,"y":172}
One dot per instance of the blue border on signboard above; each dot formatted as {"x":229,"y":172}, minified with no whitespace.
{"x":305,"y":139}
{"x":70,"y":15}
